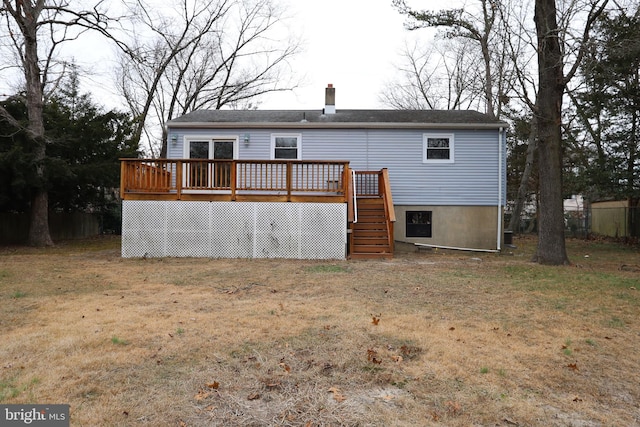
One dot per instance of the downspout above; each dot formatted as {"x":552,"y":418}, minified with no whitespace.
{"x":499,"y":236}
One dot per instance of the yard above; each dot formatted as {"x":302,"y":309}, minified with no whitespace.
{"x":427,"y":338}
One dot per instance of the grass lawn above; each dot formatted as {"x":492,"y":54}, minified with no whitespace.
{"x":438,"y":338}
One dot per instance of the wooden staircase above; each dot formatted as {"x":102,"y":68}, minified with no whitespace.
{"x":372,"y":236}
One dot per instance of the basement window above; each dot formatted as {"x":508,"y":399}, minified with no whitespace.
{"x":437,"y":148}
{"x":418,"y":223}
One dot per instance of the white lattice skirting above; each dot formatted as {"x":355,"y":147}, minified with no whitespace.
{"x":234,"y":229}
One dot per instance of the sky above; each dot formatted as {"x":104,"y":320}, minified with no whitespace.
{"x":351,"y":44}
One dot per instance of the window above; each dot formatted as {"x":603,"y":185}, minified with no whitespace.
{"x":418,"y":224}
{"x":437,"y":148}
{"x":285,"y":146}
{"x":211,"y":147}
{"x":207,"y":174}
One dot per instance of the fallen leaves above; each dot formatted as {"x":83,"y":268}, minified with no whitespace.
{"x":201,"y":395}
{"x":286,"y":367}
{"x":410,"y":352}
{"x":272,"y":384}
{"x":397,"y":355}
{"x":372,"y":356}
{"x":337,"y":394}
{"x":207,"y":391}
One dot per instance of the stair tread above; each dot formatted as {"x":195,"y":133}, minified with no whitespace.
{"x":370,"y":233}
{"x":370,"y":219}
{"x":371,"y":255}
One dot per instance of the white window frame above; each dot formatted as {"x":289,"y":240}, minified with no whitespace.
{"x":425,"y":143}
{"x":210,"y":139}
{"x":187,"y":139}
{"x":298,"y":137}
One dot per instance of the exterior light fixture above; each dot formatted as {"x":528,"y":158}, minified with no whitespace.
{"x":246,"y":139}
{"x":174,"y":139}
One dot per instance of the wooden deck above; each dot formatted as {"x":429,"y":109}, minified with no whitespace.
{"x":235,"y":180}
{"x":273,"y":181}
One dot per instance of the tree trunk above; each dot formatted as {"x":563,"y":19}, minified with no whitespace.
{"x":489,"y":17}
{"x":39,"y":227}
{"x":39,"y":220}
{"x":551,"y":243}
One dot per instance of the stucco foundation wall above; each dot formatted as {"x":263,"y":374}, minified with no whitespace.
{"x":233,"y":229}
{"x":474,"y":227}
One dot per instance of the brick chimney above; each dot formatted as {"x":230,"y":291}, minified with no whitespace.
{"x":330,"y":100}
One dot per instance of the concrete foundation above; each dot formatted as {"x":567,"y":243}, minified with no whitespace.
{"x":458,"y":226}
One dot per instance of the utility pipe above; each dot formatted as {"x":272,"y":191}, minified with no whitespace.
{"x":499,"y":237}
{"x":456,"y":248}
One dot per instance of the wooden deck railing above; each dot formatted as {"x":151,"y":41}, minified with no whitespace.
{"x":210,"y":179}
{"x":390,"y":213}
{"x":376,"y":184}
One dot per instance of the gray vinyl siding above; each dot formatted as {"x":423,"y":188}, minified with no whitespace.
{"x":472,"y":180}
{"x":347,"y":144}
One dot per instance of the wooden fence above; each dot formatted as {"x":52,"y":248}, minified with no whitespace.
{"x":14,"y":228}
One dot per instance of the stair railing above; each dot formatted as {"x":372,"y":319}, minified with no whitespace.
{"x":355,"y":196}
{"x":390,"y":214}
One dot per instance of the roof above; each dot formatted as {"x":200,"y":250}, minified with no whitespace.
{"x":341,"y":119}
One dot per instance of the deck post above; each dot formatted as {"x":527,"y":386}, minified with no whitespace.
{"x":233,"y":182}
{"x":289,"y":180}
{"x":123,"y":176}
{"x":348,"y":190}
{"x":179,"y":179}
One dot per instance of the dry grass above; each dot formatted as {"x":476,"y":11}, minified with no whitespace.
{"x":428,"y":338}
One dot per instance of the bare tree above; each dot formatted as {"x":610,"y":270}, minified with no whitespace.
{"x":523,"y":46}
{"x":552,"y":54}
{"x":551,"y":243}
{"x":216,"y":54}
{"x":520,"y":50}
{"x":439,"y":77}
{"x":35,"y":30}
{"x":465,"y":24}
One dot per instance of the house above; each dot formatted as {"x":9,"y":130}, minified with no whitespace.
{"x":323,"y":183}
